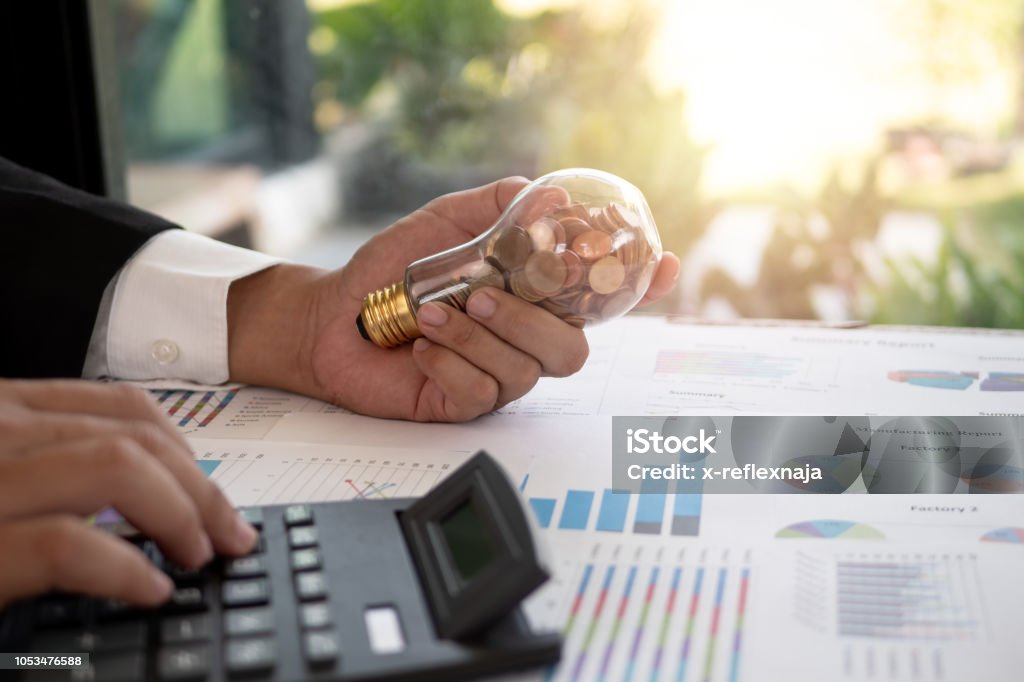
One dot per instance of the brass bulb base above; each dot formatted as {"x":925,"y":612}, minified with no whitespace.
{"x":387,"y":317}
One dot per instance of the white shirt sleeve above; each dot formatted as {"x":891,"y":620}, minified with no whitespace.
{"x":164,"y":315}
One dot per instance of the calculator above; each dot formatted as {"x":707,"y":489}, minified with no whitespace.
{"x":399,"y":589}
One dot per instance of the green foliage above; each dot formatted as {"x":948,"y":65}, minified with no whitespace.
{"x":977,"y":279}
{"x":476,"y":86}
{"x":424,"y":50}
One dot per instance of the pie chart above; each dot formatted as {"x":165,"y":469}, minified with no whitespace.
{"x":1011,"y":535}
{"x":830,"y":529}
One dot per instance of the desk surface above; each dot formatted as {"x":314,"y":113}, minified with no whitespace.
{"x":676,"y":583}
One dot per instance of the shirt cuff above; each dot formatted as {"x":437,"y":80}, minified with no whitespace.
{"x":168,"y":310}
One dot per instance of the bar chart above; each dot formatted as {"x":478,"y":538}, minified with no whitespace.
{"x":195,"y":409}
{"x":895,"y":597}
{"x":658,"y":510}
{"x":241,"y":412}
{"x":634,"y":619}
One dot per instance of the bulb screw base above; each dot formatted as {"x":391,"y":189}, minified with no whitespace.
{"x":387,"y":317}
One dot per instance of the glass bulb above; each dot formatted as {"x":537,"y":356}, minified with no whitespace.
{"x":580,"y":243}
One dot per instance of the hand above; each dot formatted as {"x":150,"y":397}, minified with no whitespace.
{"x":71,"y":448}
{"x":468,"y":364}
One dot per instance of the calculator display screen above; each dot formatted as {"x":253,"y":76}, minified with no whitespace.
{"x":470,"y":545}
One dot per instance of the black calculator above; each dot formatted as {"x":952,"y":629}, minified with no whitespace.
{"x":399,"y":589}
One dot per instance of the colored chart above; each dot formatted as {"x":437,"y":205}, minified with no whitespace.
{"x":1008,"y":535}
{"x":896,"y":597}
{"x":957,"y":381}
{"x":1003,"y":381}
{"x":830,"y":529}
{"x":649,"y":513}
{"x":682,"y":620}
{"x":197,"y":409}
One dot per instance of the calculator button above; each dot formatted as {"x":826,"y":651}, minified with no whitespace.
{"x":185,"y":662}
{"x":248,"y":621}
{"x":316,"y":615}
{"x":114,"y":609}
{"x":320,"y":647}
{"x":128,"y":666}
{"x":185,"y":629}
{"x":246,"y":567}
{"x":249,"y":655}
{"x":298,"y":515}
{"x":186,"y":600}
{"x":252,"y":515}
{"x":305,"y":560}
{"x":59,"y":612}
{"x":103,"y":638}
{"x":303,"y":536}
{"x":245,"y":592}
{"x":309,"y":586}
{"x":182,"y":576}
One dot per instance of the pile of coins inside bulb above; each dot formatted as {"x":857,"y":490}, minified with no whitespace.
{"x":581,"y":264}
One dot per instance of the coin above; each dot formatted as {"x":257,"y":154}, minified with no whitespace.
{"x":520,"y":286}
{"x":546,"y":272}
{"x":575,"y":269}
{"x":606,"y":275}
{"x":573,"y":228}
{"x":546,"y":234}
{"x":602,"y":221}
{"x":587,"y":304}
{"x":592,"y":245}
{"x":512,"y":248}
{"x":618,"y":303}
{"x":625,"y":217}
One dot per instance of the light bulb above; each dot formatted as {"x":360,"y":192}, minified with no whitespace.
{"x":580,"y":243}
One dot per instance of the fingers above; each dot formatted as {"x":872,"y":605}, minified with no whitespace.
{"x":456,"y":390}
{"x":121,"y":401}
{"x":62,"y":552}
{"x":561,"y":349}
{"x":43,"y":432}
{"x":664,"y":279}
{"x":475,"y":210}
{"x":85,"y":476}
{"x":515,"y":371}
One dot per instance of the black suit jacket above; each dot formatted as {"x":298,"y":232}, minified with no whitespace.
{"x":59,"y":248}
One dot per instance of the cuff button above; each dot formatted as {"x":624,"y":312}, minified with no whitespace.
{"x":164,"y":351}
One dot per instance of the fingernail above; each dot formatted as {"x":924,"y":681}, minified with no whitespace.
{"x":245,"y":535}
{"x":432,"y":315}
{"x":421,"y":344}
{"x":481,"y":305}
{"x":162,"y":585}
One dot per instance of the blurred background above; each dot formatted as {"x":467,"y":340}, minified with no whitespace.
{"x":840,"y":160}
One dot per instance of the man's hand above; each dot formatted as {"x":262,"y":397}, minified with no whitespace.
{"x":294,"y":327}
{"x":71,"y":448}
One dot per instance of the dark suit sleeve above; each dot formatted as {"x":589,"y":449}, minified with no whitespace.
{"x":59,"y":248}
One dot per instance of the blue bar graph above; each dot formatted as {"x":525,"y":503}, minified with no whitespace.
{"x":687,"y":508}
{"x":208,"y":465}
{"x":611,"y":515}
{"x":576,"y":511}
{"x":650,"y":508}
{"x":543,"y":509}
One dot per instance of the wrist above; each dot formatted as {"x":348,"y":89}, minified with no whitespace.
{"x":272,"y":321}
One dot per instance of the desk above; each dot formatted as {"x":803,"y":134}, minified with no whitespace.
{"x":679,"y":584}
